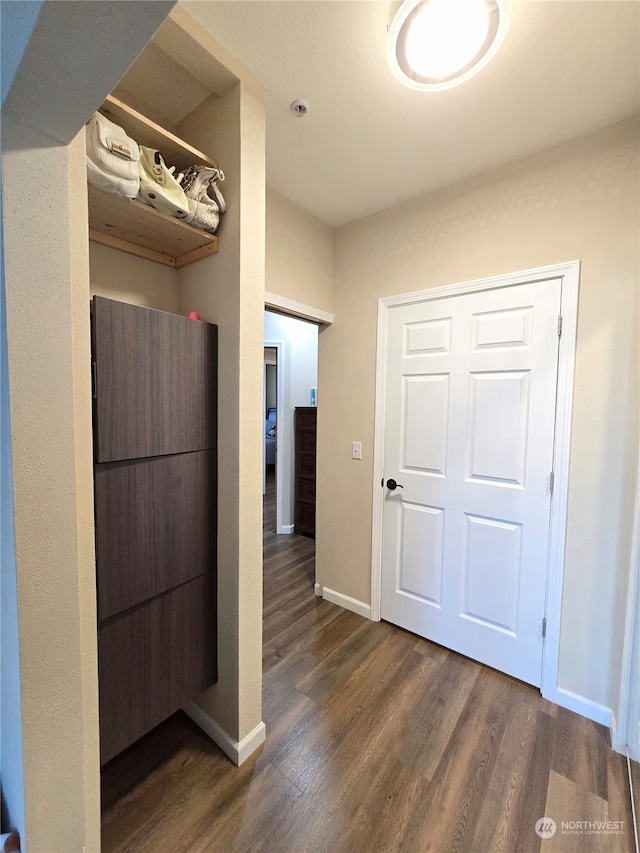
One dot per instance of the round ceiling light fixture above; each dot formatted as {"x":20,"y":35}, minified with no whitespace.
{"x":436,"y":44}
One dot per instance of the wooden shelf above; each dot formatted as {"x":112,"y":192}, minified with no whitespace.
{"x":135,"y":227}
{"x":175,"y":151}
{"x":138,"y":229}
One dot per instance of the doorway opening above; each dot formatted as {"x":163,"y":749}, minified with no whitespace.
{"x":290,"y":385}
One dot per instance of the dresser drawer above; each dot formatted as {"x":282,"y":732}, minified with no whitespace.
{"x":305,"y":519}
{"x":306,"y":419}
{"x":306,"y":490}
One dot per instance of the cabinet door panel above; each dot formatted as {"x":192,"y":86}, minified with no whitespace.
{"x":153,"y":659}
{"x":155,"y":526}
{"x":155,"y":382}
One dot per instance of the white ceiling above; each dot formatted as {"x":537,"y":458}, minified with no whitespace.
{"x":567,"y":67}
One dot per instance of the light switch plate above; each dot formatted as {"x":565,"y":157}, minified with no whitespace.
{"x":356,"y":450}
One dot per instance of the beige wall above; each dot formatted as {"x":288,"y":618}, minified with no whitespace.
{"x":299,"y":262}
{"x":128,"y":278}
{"x":47,"y":294}
{"x":577,"y":201}
{"x":228,"y":289}
{"x":46,"y":264}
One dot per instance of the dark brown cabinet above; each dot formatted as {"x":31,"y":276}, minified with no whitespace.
{"x":154,"y":526}
{"x":155,"y":380}
{"x":152,"y":660}
{"x":305,"y":455}
{"x":155,"y":481}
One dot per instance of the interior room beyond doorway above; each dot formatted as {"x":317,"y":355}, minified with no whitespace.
{"x":291,"y":346}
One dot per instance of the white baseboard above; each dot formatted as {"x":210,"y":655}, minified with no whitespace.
{"x":619,"y":738}
{"x":619,"y":743}
{"x":237,"y":751}
{"x":585,"y":707}
{"x":347,"y":602}
{"x":317,"y":589}
{"x":614,"y":733}
{"x":286,"y":529}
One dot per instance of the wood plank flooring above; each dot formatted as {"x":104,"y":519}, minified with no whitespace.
{"x":376,"y":741}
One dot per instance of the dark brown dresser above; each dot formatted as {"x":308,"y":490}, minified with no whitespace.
{"x":305,"y":450}
{"x":155,"y":481}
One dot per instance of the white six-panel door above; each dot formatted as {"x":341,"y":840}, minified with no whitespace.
{"x":469,"y":430}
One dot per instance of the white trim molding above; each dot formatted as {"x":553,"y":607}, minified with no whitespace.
{"x":585,"y":707}
{"x":237,"y":751}
{"x":569,"y":274}
{"x":627,"y":738}
{"x":346,"y":601}
{"x":285,"y":528}
{"x":317,"y":590}
{"x":297,"y":309}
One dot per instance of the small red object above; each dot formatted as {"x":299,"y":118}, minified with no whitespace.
{"x":194,"y":316}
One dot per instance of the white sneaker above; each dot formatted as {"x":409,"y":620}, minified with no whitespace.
{"x":198,"y":180}
{"x":202,"y":215}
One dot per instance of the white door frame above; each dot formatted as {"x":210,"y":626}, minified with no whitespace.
{"x":291,"y":308}
{"x":279,"y":347}
{"x":264,"y":444}
{"x":570,"y":275}
{"x":626,"y":735}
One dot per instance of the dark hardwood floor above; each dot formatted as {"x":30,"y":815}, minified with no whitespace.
{"x":376,"y":741}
